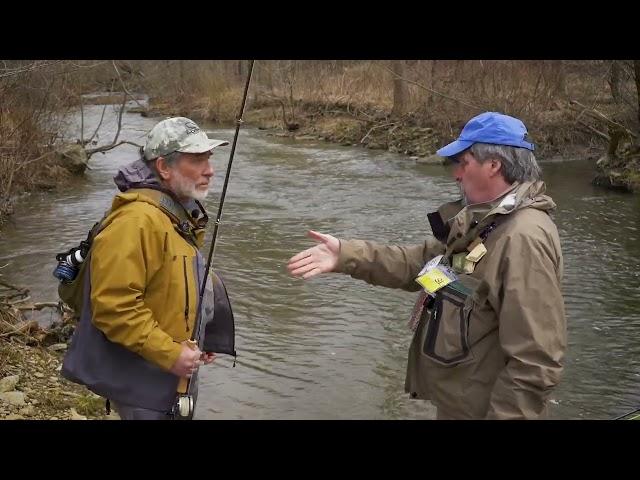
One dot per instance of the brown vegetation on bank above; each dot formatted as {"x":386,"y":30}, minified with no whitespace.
{"x":412,"y":107}
{"x":34,"y":96}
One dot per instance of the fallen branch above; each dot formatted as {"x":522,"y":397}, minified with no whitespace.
{"x":39,"y":306}
{"x":595,"y":114}
{"x":374,"y":128}
{"x":5,"y":296}
{"x":13,"y":287}
{"x":596,"y":131}
{"x":15,"y":302}
{"x":23,"y":328}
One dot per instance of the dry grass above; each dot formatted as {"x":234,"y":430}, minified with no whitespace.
{"x":440,"y":94}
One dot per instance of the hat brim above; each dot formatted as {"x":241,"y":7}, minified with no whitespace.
{"x":454,"y":148}
{"x":202,"y":147}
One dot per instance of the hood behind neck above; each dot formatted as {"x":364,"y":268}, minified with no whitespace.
{"x":138,"y":175}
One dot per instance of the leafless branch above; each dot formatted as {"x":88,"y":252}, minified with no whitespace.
{"x":375,"y":128}
{"x":419,"y":85}
{"x":124,"y":88}
{"x":106,"y":148}
{"x":596,"y":131}
{"x":104,"y":109}
{"x":595,"y":114}
{"x":28,"y":68}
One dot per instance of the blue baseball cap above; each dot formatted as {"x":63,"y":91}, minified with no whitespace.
{"x":489,"y":127}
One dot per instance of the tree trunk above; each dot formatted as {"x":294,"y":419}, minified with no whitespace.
{"x":636,"y":70}
{"x":182,"y":86}
{"x":400,"y":89}
{"x":562,"y":79}
{"x":432,"y":83}
{"x":614,"y":80}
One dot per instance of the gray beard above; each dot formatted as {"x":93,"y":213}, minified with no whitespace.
{"x":183,"y":187}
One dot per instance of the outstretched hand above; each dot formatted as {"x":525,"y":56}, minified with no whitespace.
{"x":321,"y":258}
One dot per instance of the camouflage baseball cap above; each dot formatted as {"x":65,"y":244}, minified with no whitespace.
{"x":178,"y":134}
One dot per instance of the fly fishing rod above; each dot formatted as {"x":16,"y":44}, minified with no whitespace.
{"x":634,"y":415}
{"x":239,"y":122}
{"x":185,"y":404}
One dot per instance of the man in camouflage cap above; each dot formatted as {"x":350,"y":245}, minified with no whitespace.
{"x":179,"y":143}
{"x":144,"y":278}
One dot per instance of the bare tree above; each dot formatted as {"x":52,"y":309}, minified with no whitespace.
{"x":636,"y":71}
{"x":432,"y":83}
{"x":614,"y":80}
{"x":182,"y":84}
{"x":400,"y":89}
{"x":115,"y":143}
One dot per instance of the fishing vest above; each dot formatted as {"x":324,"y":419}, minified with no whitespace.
{"x":448,"y":287}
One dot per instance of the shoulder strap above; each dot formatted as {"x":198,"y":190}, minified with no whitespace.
{"x":489,"y":227}
{"x":183,"y":223}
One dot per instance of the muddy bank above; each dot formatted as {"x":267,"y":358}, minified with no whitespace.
{"x":620,"y":172}
{"x":30,"y":361}
{"x":555,"y":132}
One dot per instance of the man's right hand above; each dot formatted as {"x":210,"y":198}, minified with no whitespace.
{"x":313,"y":261}
{"x":188,"y":361}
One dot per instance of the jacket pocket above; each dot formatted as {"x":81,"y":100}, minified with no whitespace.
{"x":447,"y":337}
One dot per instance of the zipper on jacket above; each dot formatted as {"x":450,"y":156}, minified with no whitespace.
{"x":186,"y":292}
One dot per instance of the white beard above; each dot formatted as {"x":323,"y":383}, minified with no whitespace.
{"x":184,"y":187}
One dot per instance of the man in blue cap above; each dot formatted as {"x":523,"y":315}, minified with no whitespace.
{"x":489,"y":322}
